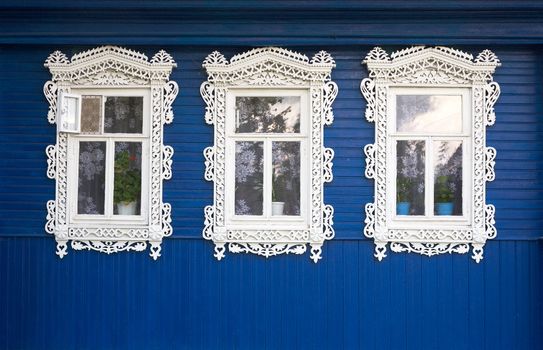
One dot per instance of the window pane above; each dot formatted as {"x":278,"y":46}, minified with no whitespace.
{"x":268,"y":114}
{"x":249,"y":177}
{"x":123,"y":115}
{"x":286,"y":178}
{"x":410,"y":177}
{"x":127,"y":178}
{"x":91,"y":182}
{"x":448,"y":177}
{"x":429,"y":113}
{"x":91,"y":114}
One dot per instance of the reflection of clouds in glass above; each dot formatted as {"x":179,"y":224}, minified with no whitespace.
{"x":292,"y":116}
{"x":438,"y":113}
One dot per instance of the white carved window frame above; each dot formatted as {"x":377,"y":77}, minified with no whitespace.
{"x":274,"y":69}
{"x":430,"y":68}
{"x":103,"y":69}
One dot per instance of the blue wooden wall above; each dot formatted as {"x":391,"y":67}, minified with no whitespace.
{"x":188,"y":300}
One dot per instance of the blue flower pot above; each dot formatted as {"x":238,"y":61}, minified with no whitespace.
{"x":444,"y":208}
{"x":402,"y":208}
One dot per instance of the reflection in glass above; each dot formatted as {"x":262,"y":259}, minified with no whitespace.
{"x":127,"y":178}
{"x":286,"y":178}
{"x":410,"y":177}
{"x":448,"y":177}
{"x":268,"y":114}
{"x":91,"y":179}
{"x":123,"y":114}
{"x":249,"y":177}
{"x":429,"y":113}
{"x":91,"y":114}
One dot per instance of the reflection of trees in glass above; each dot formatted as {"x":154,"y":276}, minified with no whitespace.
{"x":266,"y":114}
{"x":448,"y":174}
{"x":410,"y":175}
{"x":286,"y":176}
{"x":249,"y":177}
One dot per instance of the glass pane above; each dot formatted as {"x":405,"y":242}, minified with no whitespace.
{"x":268,"y":114}
{"x":92,"y":174}
{"x":429,"y":113}
{"x":91,"y":114}
{"x":123,"y":114}
{"x":249,"y":177}
{"x":410,"y":177}
{"x":127,"y":178}
{"x":448,"y":177}
{"x":286,"y":178}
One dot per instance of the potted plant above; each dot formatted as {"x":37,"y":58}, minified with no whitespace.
{"x":127,"y":185}
{"x":444,"y":196}
{"x":277,"y":207}
{"x":403,"y":188}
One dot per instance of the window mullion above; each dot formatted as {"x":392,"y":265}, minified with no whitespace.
{"x":429,"y":187}
{"x":267,"y":186}
{"x":110,"y":173}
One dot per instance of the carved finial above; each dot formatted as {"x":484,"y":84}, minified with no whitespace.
{"x":162,"y":57}
{"x":56,"y":57}
{"x":376,"y":54}
{"x":486,"y":57}
{"x":215,"y":58}
{"x":322,"y":57}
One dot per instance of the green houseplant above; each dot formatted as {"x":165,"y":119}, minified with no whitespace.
{"x":403,"y":189}
{"x":127,"y":184}
{"x":444,"y":196}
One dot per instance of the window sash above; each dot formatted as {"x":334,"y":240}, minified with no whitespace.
{"x":110,"y":139}
{"x":256,"y":221}
{"x":414,"y":221}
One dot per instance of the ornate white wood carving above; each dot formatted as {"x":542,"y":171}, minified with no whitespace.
{"x":270,"y":67}
{"x":431,"y":67}
{"x":112,"y":67}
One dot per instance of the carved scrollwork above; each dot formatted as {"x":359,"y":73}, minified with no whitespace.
{"x":51,"y":153}
{"x":111,"y":66}
{"x":171,"y":89}
{"x":109,"y":247}
{"x":422,"y":66}
{"x":329,"y":93}
{"x":267,"y":249}
{"x":328,"y":155}
{"x":369,"y":151}
{"x":492,"y":92}
{"x":50,"y":91}
{"x":490,"y":156}
{"x":269,"y":67}
{"x":209,"y":155}
{"x":367,"y":86}
{"x":167,"y":154}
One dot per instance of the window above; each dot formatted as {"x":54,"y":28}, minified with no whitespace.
{"x":431,"y":107}
{"x":268,"y":162}
{"x":109,"y":160}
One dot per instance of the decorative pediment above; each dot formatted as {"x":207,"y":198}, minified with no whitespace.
{"x":432,"y":65}
{"x":269,"y":66}
{"x":110,"y":66}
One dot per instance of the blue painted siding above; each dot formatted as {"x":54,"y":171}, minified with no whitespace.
{"x":187,"y":299}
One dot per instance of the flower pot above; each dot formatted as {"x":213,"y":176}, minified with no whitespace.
{"x":277,"y":208}
{"x":402,"y":208}
{"x":444,"y":208}
{"x":127,"y":208}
